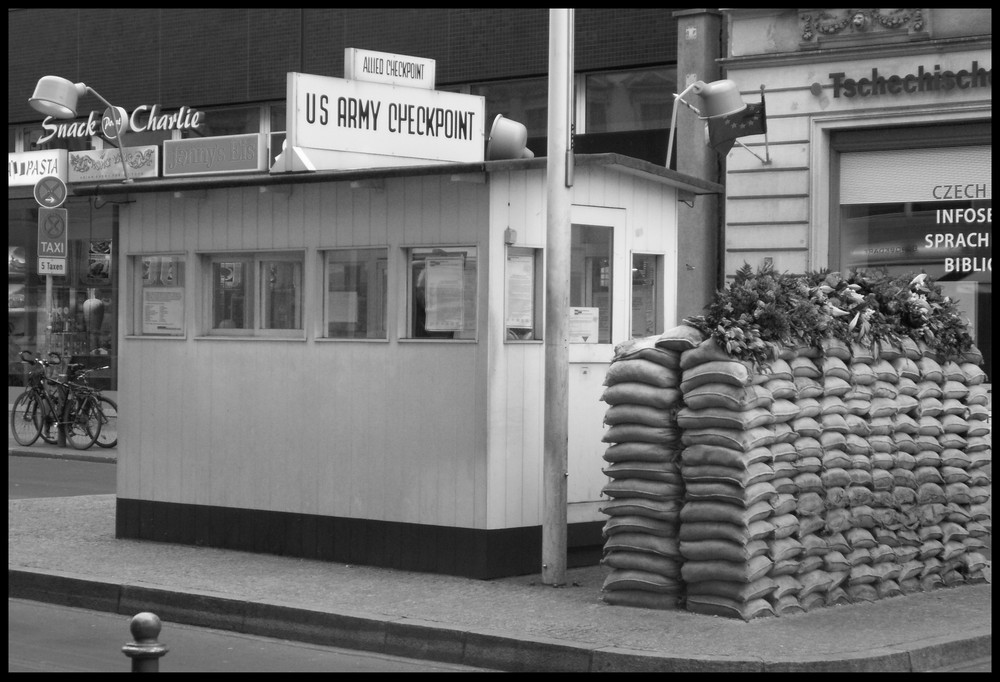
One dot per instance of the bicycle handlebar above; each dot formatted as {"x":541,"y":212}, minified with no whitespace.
{"x":29,"y":357}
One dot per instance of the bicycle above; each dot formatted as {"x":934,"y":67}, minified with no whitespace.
{"x":92,"y":398}
{"x":48,"y":404}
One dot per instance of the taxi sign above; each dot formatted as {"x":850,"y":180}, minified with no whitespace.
{"x":50,"y":191}
{"x":52,"y":241}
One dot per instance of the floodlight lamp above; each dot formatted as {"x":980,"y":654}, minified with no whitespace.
{"x":58,"y":97}
{"x":55,"y":96}
{"x":721,"y":98}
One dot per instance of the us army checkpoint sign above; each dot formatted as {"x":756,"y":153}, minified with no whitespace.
{"x":52,"y":241}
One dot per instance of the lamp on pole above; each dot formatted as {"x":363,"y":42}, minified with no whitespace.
{"x":721,"y":98}
{"x":57,"y":97}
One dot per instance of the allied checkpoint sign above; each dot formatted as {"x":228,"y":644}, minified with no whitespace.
{"x":335,"y":123}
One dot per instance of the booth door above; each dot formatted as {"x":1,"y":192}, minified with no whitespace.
{"x":599,"y":287}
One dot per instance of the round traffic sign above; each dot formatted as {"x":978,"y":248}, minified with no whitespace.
{"x":50,"y":192}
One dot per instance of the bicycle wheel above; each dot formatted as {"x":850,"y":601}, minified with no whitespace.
{"x":84,"y":423}
{"x":25,"y":419}
{"x":108,"y":438}
{"x":48,"y":421}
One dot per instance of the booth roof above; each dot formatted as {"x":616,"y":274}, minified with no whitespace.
{"x":618,"y":162}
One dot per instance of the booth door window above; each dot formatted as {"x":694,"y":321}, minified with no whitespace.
{"x":647,"y":295}
{"x":590,"y":298}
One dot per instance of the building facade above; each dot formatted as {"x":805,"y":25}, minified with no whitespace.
{"x":878,"y":148}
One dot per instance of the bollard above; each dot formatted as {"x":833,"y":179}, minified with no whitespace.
{"x":144,"y":650}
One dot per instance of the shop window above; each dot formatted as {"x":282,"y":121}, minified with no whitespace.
{"x":354,"y":298}
{"x":590,"y":284}
{"x":522,"y":294}
{"x":442,"y":293}
{"x":647,"y":295}
{"x":630,"y":100}
{"x":160,"y":282}
{"x":910,"y":207}
{"x":227,"y":121}
{"x":525,"y":101}
{"x":254,"y":294}
{"x":73,"y":310}
{"x":276,"y":130}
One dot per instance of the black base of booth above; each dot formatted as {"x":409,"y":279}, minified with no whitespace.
{"x":466,"y":552}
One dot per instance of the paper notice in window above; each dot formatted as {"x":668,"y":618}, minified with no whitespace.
{"x":163,"y":311}
{"x":445,"y":294}
{"x":520,"y":291}
{"x":583,"y":325}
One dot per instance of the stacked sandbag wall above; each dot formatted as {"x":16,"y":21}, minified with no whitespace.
{"x":645,"y":491}
{"x":836,"y":476}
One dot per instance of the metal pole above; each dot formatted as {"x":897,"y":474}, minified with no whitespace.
{"x":557,"y":272}
{"x":119,"y":124}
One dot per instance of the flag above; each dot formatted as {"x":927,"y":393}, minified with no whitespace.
{"x":723,"y":131}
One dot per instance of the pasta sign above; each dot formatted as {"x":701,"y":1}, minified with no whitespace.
{"x":374,"y":118}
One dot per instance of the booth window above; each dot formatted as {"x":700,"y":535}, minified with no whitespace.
{"x":254,"y":294}
{"x":354,"y":298}
{"x":442,"y":293}
{"x":522,"y":294}
{"x":591,"y":282}
{"x":647,"y":295}
{"x":160,"y":282}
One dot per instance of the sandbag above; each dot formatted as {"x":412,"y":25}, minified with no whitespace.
{"x":702,"y":454}
{"x":641,"y":452}
{"x":631,"y":579}
{"x":728,"y":396}
{"x":730,"y":372}
{"x":729,"y":571}
{"x":637,"y":393}
{"x":681,"y":338}
{"x":720,"y":606}
{"x":639,"y":524}
{"x":631,"y":413}
{"x":642,"y":371}
{"x":642,"y":599}
{"x":662,"y":509}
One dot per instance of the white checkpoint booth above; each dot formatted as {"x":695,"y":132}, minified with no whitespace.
{"x":418,"y":453}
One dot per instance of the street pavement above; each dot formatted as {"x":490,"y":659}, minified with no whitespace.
{"x":63,"y":550}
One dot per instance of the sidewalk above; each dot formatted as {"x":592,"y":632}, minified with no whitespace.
{"x":64,"y":550}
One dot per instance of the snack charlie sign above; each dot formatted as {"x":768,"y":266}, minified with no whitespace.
{"x":339,"y":123}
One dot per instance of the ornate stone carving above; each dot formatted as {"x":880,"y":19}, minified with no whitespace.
{"x":855,"y":23}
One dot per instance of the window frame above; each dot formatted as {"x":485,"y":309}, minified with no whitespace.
{"x":411,"y":313}
{"x":255,"y":282}
{"x":137,"y":274}
{"x":323,"y":322}
{"x":519,"y":334}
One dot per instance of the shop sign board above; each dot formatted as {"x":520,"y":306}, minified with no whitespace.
{"x":144,"y":118}
{"x":25,"y":169}
{"x":923,"y":79}
{"x":101,"y":165}
{"x":52,"y":240}
{"x":385,"y":121}
{"x":215,"y":155}
{"x":391,"y":69}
